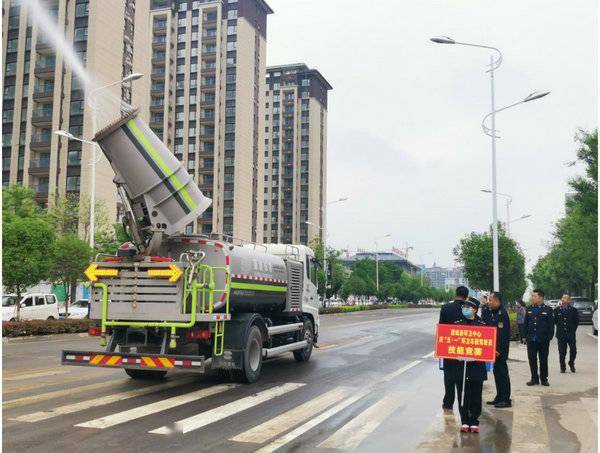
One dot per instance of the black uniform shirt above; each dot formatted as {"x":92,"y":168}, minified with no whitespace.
{"x":567,"y":320}
{"x":476,"y":371}
{"x":539,"y":323}
{"x":499,"y":318}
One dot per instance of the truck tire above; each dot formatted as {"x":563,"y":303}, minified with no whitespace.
{"x":252,"y":361}
{"x":145,"y":374}
{"x":302,"y":355}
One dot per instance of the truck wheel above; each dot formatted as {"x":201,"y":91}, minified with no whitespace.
{"x":252,"y":361}
{"x":302,"y":355}
{"x":145,"y":374}
{"x":594,"y":331}
{"x":50,"y":318}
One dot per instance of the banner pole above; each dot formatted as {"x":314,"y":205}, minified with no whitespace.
{"x":462,"y":397}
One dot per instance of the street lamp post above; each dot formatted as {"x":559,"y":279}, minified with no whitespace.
{"x":92,"y":100}
{"x":508,"y":203}
{"x":339,"y":200}
{"x":494,"y":64}
{"x":377,"y":260}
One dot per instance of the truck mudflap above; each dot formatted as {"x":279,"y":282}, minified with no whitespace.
{"x":158,"y":362}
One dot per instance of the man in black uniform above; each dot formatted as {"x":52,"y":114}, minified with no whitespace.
{"x":449,"y":314}
{"x":567,"y":320}
{"x":539,"y":330}
{"x":496,"y":315}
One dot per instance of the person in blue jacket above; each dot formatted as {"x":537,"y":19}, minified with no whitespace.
{"x":539,"y":331}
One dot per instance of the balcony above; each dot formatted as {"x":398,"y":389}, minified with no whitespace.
{"x":158,"y":74}
{"x":156,"y":122}
{"x":159,"y":42}
{"x":43,"y":47}
{"x":45,"y":70}
{"x":156,"y":106}
{"x":41,"y":192}
{"x":43,"y":93}
{"x":42,"y":117}
{"x":40,"y":142}
{"x":160,"y":27}
{"x":39,"y":167}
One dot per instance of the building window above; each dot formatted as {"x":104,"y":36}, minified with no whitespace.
{"x":72,"y":183}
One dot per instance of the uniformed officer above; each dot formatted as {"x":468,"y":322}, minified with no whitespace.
{"x":449,"y":314}
{"x":567,"y":319}
{"x":476,"y":373}
{"x":496,"y":315}
{"x":539,"y":330}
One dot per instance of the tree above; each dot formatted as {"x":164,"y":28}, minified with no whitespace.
{"x":27,"y":257}
{"x":19,"y":201}
{"x":474,"y":252}
{"x":572,"y":262}
{"x":337,"y":274}
{"x":70,"y":257}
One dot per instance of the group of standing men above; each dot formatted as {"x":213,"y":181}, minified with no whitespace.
{"x":539,"y":322}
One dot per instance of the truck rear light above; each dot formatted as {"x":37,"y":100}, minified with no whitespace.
{"x":94,"y":331}
{"x":161,"y":259}
{"x":112,"y":258}
{"x":198,"y":335}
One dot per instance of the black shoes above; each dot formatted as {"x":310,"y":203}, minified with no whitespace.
{"x":446,"y":408}
{"x":546,"y":383}
{"x":502,"y":404}
{"x":493,"y":402}
{"x":533,"y":382}
{"x":572,"y":366}
{"x":563,"y":370}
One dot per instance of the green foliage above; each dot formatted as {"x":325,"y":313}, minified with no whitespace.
{"x":27,"y":252}
{"x":474,"y":252}
{"x":70,"y":257}
{"x":18,"y":201}
{"x":571,"y":265}
{"x":337,"y":275}
{"x":38,"y":327}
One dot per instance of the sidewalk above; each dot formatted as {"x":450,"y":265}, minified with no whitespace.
{"x":562,"y":418}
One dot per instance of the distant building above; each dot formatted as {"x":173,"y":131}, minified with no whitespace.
{"x":446,"y":278}
{"x":387,"y":257}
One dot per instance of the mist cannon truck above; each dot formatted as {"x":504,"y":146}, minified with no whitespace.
{"x":169,"y":300}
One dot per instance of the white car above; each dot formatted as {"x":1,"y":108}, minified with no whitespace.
{"x":77,"y":310}
{"x":33,"y":306}
{"x":595,"y":322}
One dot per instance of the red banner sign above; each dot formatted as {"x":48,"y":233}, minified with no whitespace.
{"x":457,"y":341}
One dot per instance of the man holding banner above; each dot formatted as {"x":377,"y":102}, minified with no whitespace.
{"x":472,"y":344}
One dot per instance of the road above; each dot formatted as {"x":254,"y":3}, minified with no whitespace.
{"x":372,"y":386}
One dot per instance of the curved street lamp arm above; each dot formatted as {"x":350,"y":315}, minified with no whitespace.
{"x":487,"y":130}
{"x":497,"y":61}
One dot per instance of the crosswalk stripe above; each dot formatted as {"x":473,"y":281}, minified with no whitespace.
{"x":350,"y":436}
{"x":153,"y":408}
{"x":6,"y":374}
{"x":399,"y":371}
{"x":34,"y":375}
{"x":286,"y":438}
{"x":214,"y":415}
{"x":56,"y":394}
{"x":96,"y":402}
{"x":283,"y":422}
{"x":6,"y":389}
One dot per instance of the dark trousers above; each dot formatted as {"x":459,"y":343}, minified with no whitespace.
{"x":562,"y":350}
{"x":502,"y":379}
{"x":537,"y":349}
{"x":521,"y":332}
{"x":471,"y":409}
{"x":448,"y":386}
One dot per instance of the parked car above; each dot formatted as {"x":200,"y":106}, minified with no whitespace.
{"x":585,"y":307}
{"x":78,"y":310}
{"x":553,"y":303}
{"x":595,"y":322}
{"x":33,"y":306}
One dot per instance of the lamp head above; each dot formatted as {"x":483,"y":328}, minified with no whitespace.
{"x":536,"y":95}
{"x":133,"y":76}
{"x":443,"y":40}
{"x":65,"y":134}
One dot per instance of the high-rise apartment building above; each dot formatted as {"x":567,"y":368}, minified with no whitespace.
{"x":205,"y":99}
{"x":42,"y":94}
{"x":295,"y":153}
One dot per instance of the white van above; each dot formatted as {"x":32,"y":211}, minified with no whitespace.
{"x":33,"y":306}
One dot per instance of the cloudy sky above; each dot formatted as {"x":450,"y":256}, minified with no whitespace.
{"x":405,"y":142}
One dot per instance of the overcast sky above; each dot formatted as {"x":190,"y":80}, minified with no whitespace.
{"x":405,"y":142}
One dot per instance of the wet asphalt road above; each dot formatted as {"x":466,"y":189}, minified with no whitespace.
{"x":372,"y":386}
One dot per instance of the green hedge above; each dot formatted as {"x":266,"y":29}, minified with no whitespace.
{"x":27,"y":328}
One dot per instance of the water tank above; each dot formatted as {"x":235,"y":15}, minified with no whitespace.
{"x":160,"y":189}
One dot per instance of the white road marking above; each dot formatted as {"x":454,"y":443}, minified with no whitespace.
{"x":153,"y":408}
{"x":595,"y":337}
{"x":379,"y":320}
{"x":324,"y":348}
{"x":96,"y":402}
{"x":56,"y":394}
{"x":398,"y":372}
{"x":428,"y":355}
{"x":351,"y":435}
{"x":286,"y":438}
{"x":285,"y":421}
{"x":38,"y":374}
{"x":219,"y":413}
